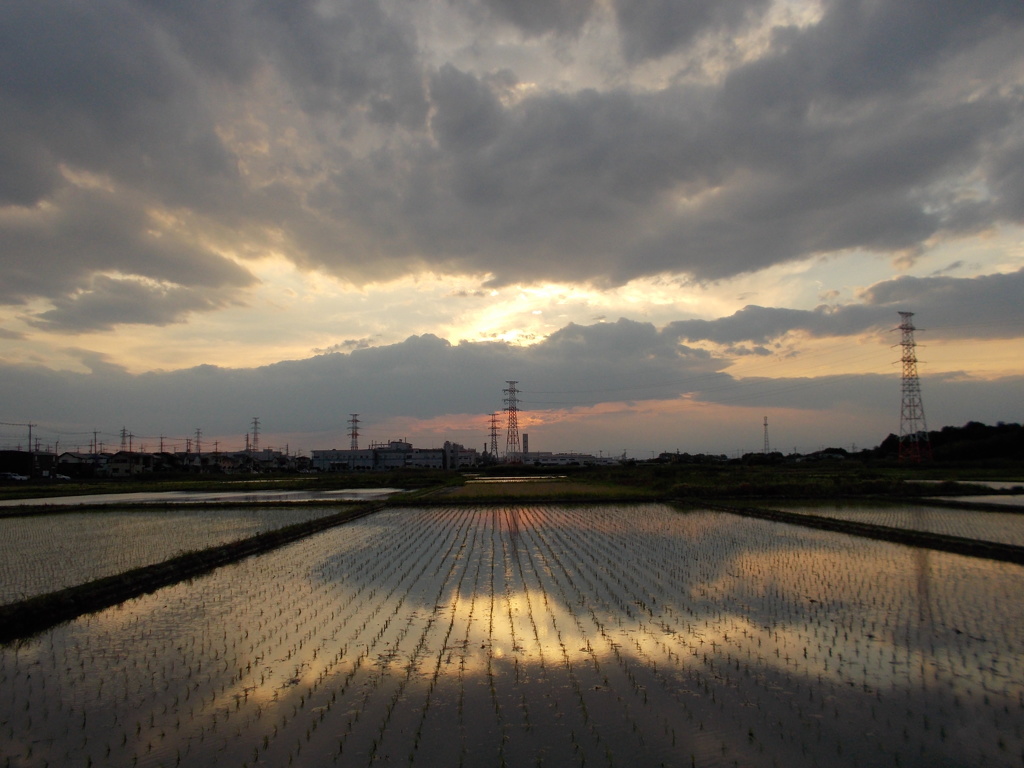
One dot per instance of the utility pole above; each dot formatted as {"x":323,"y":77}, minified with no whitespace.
{"x":914,"y":444}
{"x":512,"y":448}
{"x":32,"y":458}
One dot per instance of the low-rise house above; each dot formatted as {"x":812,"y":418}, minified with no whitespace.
{"x":128,"y":463}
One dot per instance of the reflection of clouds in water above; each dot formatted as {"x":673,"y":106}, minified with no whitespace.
{"x":573,"y":633}
{"x":45,"y":553}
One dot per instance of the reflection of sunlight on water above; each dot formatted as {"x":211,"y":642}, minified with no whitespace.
{"x":539,"y":635}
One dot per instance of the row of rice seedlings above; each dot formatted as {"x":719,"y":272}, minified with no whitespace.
{"x":45,"y":553}
{"x":368,"y":680}
{"x":612,"y":688}
{"x":436,"y":576}
{"x":545,"y":699}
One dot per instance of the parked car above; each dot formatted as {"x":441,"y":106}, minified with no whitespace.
{"x":12,"y":476}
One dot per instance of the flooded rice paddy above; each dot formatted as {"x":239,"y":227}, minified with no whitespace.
{"x":525,"y":636}
{"x":1001,"y":527}
{"x":45,"y":553}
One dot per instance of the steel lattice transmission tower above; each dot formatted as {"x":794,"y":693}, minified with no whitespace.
{"x":494,"y":434}
{"x":914,"y":443}
{"x":513,"y":450}
{"x":766,"y":450}
{"x":353,"y":431}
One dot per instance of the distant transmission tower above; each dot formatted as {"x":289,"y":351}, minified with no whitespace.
{"x":512,"y":449}
{"x":914,"y":444}
{"x":353,"y":431}
{"x":255,"y":434}
{"x":766,"y":449}
{"x":494,"y":434}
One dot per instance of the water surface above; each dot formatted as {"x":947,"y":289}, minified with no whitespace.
{"x":44,"y":553}
{"x":541,"y":635}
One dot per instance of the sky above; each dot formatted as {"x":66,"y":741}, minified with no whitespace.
{"x":666,"y":220}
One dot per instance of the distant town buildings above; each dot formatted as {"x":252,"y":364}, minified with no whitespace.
{"x":396,"y":454}
{"x":75,"y":464}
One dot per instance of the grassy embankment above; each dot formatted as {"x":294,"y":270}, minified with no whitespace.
{"x":639,"y":482}
{"x":694,"y":482}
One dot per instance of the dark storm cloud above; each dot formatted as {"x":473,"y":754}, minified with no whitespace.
{"x":324,"y":129}
{"x":985,"y":307}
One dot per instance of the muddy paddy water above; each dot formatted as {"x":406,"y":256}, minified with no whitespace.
{"x":521,"y":636}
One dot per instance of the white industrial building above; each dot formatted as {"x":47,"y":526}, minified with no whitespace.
{"x":396,"y":454}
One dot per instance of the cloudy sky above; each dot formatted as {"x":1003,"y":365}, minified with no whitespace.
{"x":666,"y":219}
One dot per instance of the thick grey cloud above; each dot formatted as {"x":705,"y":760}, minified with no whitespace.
{"x":425,"y":377}
{"x":653,"y":28}
{"x":109,"y":112}
{"x":538,"y":17}
{"x":985,"y":307}
{"x":422,"y":377}
{"x":333,"y":132}
{"x":805,"y":154}
{"x":111,"y":302}
{"x":56,"y":250}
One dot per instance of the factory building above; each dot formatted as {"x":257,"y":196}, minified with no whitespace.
{"x":396,"y":454}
